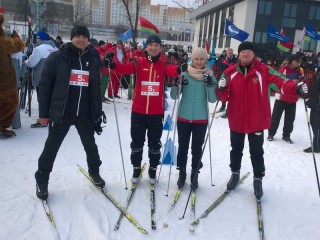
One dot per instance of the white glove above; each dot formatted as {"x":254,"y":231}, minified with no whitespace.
{"x":222,"y":83}
{"x":302,"y":88}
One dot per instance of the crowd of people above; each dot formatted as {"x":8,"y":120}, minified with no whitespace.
{"x":73,"y":80}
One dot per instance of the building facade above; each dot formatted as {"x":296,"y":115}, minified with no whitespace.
{"x":253,"y":16}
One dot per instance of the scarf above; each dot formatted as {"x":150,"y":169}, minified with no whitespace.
{"x":198,"y":73}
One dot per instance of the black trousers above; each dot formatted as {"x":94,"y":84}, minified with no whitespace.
{"x":315,"y":124}
{"x":57,"y":133}
{"x":198,"y":131}
{"x":142,"y":124}
{"x":256,"y":151}
{"x":290,"y":114}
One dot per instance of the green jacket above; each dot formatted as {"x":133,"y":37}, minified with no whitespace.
{"x":193,"y":104}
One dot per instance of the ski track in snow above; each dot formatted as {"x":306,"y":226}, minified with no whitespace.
{"x":290,"y":205}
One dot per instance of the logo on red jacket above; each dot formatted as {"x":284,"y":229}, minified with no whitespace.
{"x":255,"y":80}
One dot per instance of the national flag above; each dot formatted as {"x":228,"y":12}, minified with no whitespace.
{"x":284,"y":46}
{"x":273,"y":33}
{"x":147,"y":26}
{"x":29,"y":21}
{"x":126,"y":35}
{"x":304,"y":37}
{"x":2,"y":10}
{"x":310,"y":32}
{"x":234,"y":32}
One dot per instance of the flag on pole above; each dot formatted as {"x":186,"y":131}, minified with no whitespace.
{"x":2,"y":10}
{"x":207,"y":45}
{"x":273,"y":33}
{"x":147,"y":26}
{"x":126,"y":35}
{"x":304,"y":37}
{"x":234,"y":32}
{"x":284,"y":46}
{"x":310,"y":32}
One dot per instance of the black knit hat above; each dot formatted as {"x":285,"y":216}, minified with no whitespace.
{"x":246,"y":46}
{"x":101,"y":42}
{"x":153,"y":39}
{"x":80,"y":30}
{"x":294,"y":57}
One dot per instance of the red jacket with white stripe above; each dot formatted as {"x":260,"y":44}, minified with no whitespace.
{"x":247,"y":95}
{"x":148,"y":96}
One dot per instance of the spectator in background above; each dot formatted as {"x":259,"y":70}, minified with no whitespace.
{"x":59,"y":41}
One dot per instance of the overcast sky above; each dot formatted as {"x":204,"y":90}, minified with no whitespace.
{"x":163,"y":2}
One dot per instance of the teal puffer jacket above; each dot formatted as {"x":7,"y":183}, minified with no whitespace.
{"x":193,"y":103}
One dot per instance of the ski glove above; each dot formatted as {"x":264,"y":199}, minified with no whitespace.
{"x":301,"y":88}
{"x":208,"y":80}
{"x":222,"y":83}
{"x":180,"y":80}
{"x":108,"y":62}
{"x":97,"y":124}
{"x":182,"y":68}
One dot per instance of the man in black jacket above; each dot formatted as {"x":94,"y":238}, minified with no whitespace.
{"x":69,"y":94}
{"x":314,"y":104}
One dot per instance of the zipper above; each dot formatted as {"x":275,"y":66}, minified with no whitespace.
{"x":80,"y":87}
{"x":148,"y":97}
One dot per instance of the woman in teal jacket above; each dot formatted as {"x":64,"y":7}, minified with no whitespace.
{"x":198,"y":86}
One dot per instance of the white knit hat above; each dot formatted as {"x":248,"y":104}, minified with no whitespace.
{"x":199,"y":53}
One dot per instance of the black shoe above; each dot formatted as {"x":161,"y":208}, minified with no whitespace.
{"x":136,"y":175}
{"x":97,"y":179}
{"x":270,"y":138}
{"x":110,"y":97}
{"x":37,"y":125}
{"x":221,"y":109}
{"x":117,"y":96}
{"x":152,"y":175}
{"x":129,"y":98}
{"x":257,"y":186}
{"x":42,"y":191}
{"x":194,"y":179}
{"x":225,"y":115}
{"x":309,"y":150}
{"x":235,"y":176}
{"x":287,"y":139}
{"x":182,"y":177}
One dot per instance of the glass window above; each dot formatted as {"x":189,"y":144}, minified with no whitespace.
{"x":318,"y":13}
{"x":293,"y":10}
{"x":268,"y":8}
{"x":288,"y":22}
{"x":311,"y":12}
{"x":286,"y":11}
{"x":264,"y":37}
{"x":257,"y":37}
{"x":261,"y":7}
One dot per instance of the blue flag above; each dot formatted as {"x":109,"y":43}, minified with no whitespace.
{"x":234,"y":32}
{"x":273,"y":33}
{"x":126,"y":35}
{"x":310,"y":32}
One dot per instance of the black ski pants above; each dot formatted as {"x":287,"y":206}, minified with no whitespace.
{"x":315,"y":124}
{"x":256,"y":151}
{"x":57,"y":133}
{"x":198,"y":131}
{"x":142,"y":124}
{"x":290,"y":114}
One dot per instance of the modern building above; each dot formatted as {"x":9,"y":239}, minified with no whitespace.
{"x":253,"y":16}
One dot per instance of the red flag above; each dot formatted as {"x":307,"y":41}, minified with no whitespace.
{"x":147,"y":26}
{"x":30,"y":21}
{"x":2,"y":10}
{"x":207,"y":45}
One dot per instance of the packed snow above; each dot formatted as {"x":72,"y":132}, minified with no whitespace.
{"x":290,"y":205}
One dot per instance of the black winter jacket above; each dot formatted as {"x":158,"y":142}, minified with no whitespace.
{"x":54,"y":88}
{"x":314,"y":99}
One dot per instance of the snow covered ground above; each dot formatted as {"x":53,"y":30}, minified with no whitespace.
{"x":291,"y":203}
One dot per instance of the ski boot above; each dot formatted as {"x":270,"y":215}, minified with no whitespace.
{"x":233,"y":180}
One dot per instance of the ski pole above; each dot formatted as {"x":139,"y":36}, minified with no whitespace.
{"x":175,"y":130}
{"x":204,"y":146}
{"x":164,"y":146}
{"x":312,"y":147}
{"x":118,"y":131}
{"x":209,"y":137}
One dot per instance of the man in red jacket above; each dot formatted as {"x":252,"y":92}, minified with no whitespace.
{"x":147,"y":103}
{"x":245,"y":87}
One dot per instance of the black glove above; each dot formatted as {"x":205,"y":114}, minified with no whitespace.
{"x":177,"y":82}
{"x":182,"y":68}
{"x":110,"y":55}
{"x":208,"y":80}
{"x":97,"y":124}
{"x":301,"y":88}
{"x":109,"y":63}
{"x":180,"y":80}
